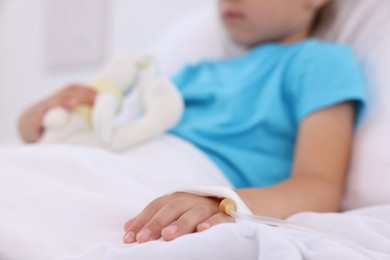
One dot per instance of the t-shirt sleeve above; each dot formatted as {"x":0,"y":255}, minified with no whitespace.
{"x":179,"y":78}
{"x":186,"y":74}
{"x":321,"y":76}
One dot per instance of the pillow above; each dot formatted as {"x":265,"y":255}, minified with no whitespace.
{"x":362,"y":24}
{"x":195,"y":37}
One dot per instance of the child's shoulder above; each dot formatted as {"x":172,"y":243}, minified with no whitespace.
{"x":304,"y":52}
{"x":314,"y":56}
{"x":302,"y":55}
{"x":314,"y":49}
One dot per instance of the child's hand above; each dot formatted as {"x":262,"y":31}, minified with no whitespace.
{"x":31,"y":121}
{"x":174,"y":215}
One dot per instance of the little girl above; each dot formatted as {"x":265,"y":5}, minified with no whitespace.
{"x":278,"y":121}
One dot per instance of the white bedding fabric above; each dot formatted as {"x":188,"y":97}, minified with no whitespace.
{"x":64,"y":202}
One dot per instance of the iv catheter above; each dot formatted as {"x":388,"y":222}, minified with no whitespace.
{"x":229,"y":207}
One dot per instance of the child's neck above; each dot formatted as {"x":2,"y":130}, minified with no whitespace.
{"x":296,"y":37}
{"x":300,"y":36}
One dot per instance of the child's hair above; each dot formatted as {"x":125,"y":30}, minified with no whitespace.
{"x":324,"y":15}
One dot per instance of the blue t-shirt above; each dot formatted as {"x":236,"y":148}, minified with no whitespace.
{"x":244,"y":112}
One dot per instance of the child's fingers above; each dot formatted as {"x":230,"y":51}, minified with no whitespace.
{"x":188,"y":222}
{"x":77,"y":88}
{"x":77,"y":94}
{"x":59,"y":101}
{"x":127,"y":225}
{"x":143,"y":218}
{"x":164,"y":217}
{"x":87,"y":98}
{"x":216,"y":219}
{"x":69,"y":100}
{"x":81,"y":97}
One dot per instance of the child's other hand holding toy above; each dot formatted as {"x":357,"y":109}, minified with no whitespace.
{"x":31,"y":121}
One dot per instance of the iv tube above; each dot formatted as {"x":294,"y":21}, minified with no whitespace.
{"x":229,"y":207}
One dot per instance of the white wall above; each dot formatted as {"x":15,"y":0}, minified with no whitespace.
{"x":24,"y":75}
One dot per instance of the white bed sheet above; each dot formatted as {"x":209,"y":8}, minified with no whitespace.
{"x":65,"y":202}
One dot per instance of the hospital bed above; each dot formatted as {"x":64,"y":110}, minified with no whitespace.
{"x":84,"y":204}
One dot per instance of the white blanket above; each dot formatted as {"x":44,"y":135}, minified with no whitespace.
{"x":66,"y":202}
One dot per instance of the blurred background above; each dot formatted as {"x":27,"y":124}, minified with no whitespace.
{"x":45,"y":44}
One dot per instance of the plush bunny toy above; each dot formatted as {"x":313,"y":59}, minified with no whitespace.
{"x":162,"y":107}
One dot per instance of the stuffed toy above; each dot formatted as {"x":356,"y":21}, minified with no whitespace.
{"x":161,"y":104}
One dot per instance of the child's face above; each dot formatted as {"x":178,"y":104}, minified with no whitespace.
{"x":251,"y":22}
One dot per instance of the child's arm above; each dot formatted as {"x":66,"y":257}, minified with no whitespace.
{"x":320,"y":165}
{"x":316,"y":184}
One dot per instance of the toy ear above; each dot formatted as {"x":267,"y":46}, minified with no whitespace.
{"x":163,"y":107}
{"x":122,"y":72}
